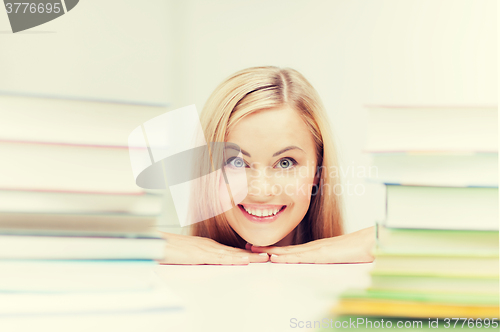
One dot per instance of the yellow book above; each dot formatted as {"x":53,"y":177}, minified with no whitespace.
{"x":374,"y":307}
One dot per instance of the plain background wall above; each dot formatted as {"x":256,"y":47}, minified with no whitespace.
{"x":353,"y":52}
{"x":112,"y":50}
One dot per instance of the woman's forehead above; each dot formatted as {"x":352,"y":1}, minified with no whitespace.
{"x":271,"y":129}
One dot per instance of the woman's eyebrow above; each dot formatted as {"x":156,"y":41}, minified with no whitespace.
{"x":235,"y":148}
{"x":291,"y":147}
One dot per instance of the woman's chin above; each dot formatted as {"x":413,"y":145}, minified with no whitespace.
{"x":263,"y":242}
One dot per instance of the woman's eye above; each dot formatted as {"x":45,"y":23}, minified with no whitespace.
{"x":236,"y":162}
{"x":286,"y":163}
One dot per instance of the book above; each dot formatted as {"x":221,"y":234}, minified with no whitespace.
{"x":78,"y":247}
{"x":437,"y":241}
{"x":437,"y":250}
{"x":68,"y":168}
{"x":432,"y":128}
{"x":439,"y":283}
{"x":77,"y":276}
{"x":442,"y":207}
{"x":371,"y":307}
{"x":78,"y":203}
{"x":368,"y":309}
{"x":109,"y":224}
{"x":74,"y":122}
{"x":363,"y":303}
{"x":422,"y":297}
{"x":421,"y":263}
{"x":435,"y":169}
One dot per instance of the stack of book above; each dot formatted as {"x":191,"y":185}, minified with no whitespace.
{"x":74,"y":226}
{"x":67,"y":189}
{"x":437,"y":253}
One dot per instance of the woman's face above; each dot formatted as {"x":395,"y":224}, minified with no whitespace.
{"x":280,"y":160}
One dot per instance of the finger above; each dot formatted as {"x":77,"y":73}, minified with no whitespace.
{"x":181,"y":240}
{"x":239,"y":259}
{"x":223,"y":250}
{"x":179,"y":256}
{"x":248,"y":246}
{"x":218,"y":246}
{"x":221,"y":259}
{"x":282,"y":250}
{"x":254,"y":257}
{"x":295,"y":258}
{"x":259,"y":258}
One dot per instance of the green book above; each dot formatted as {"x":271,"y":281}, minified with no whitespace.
{"x":465,"y":264}
{"x":438,"y":283}
{"x":437,"y":241}
{"x":424,"y":297}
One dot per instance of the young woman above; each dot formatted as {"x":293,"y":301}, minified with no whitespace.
{"x":292,"y":212}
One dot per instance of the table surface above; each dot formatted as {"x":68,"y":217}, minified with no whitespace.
{"x":259,"y":297}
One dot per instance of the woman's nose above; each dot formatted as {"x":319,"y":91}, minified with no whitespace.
{"x":260,"y":183}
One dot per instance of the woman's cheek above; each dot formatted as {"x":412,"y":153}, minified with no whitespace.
{"x":236,"y":187}
{"x":298,"y":186}
{"x":224,"y":198}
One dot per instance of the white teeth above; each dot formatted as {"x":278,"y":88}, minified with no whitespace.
{"x":262,"y":212}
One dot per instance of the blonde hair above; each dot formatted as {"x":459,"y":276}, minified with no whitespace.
{"x":259,"y":88}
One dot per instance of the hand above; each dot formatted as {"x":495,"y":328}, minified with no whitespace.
{"x":350,"y":248}
{"x":185,"y":249}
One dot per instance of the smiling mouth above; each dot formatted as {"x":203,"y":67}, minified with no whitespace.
{"x":261,"y":213}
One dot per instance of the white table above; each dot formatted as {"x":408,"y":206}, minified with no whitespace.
{"x":259,"y":297}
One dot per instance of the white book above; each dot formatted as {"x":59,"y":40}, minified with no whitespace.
{"x":435,"y":169}
{"x":72,"y":224}
{"x":66,"y":121}
{"x":68,"y":168}
{"x":432,"y":128}
{"x":74,"y":202}
{"x":72,"y":247}
{"x":58,"y":276}
{"x":442,"y":208}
